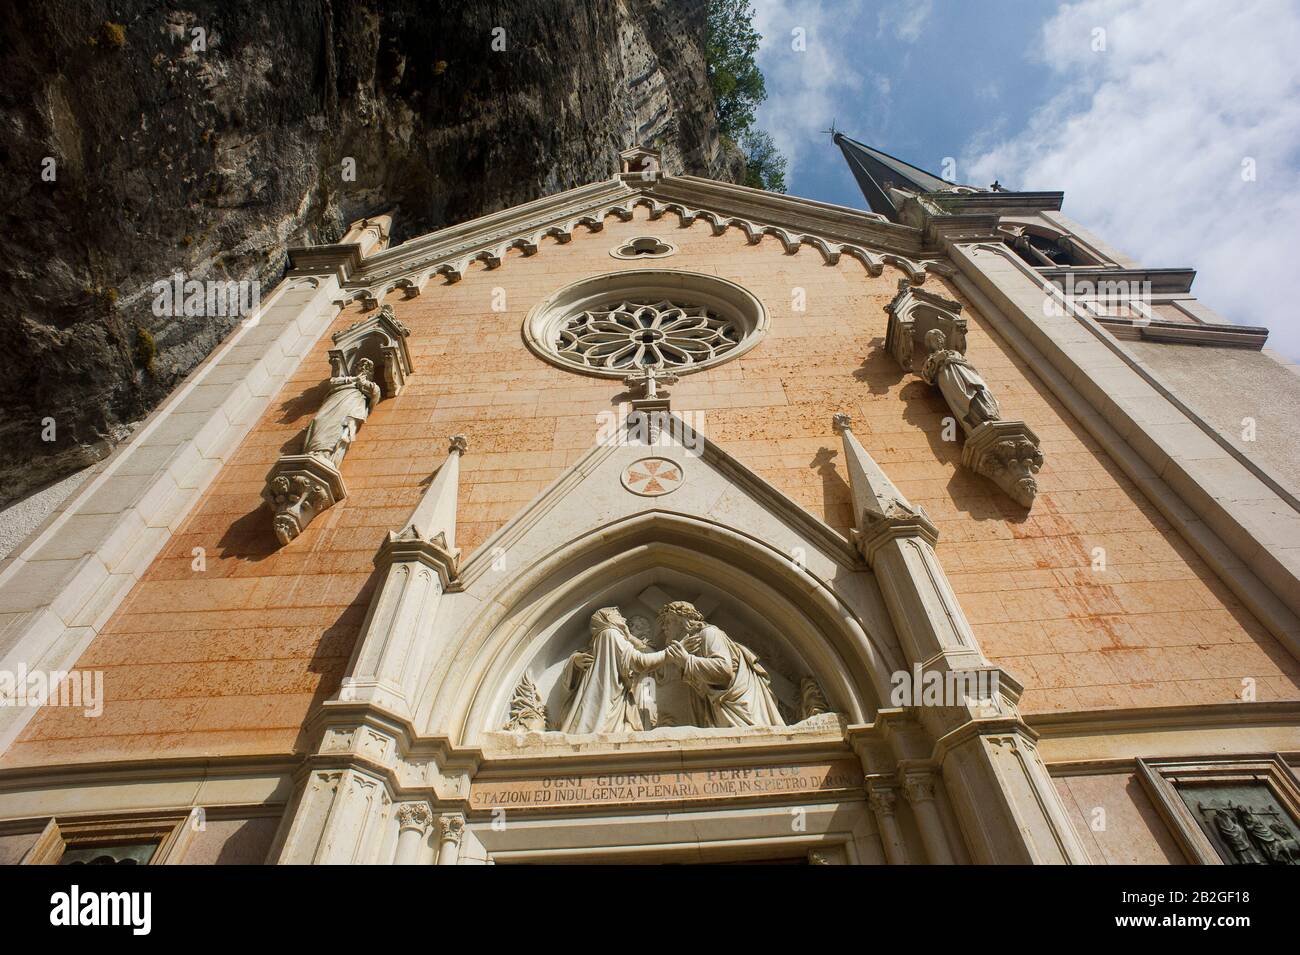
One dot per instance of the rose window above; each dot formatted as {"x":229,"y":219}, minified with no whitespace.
{"x":613,"y":324}
{"x":632,"y":335}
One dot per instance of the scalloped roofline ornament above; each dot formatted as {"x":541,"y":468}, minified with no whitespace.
{"x":834,"y":231}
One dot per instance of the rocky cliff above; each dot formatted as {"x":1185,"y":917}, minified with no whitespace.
{"x":140,"y":139}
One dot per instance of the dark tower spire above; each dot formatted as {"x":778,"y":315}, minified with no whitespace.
{"x":877,"y":173}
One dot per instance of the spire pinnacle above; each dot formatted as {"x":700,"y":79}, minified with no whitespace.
{"x":430,"y":533}
{"x":880,"y":510}
{"x":881,"y":176}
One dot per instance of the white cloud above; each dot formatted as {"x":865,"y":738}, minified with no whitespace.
{"x":1148,"y":136}
{"x":808,"y":88}
{"x":905,"y":19}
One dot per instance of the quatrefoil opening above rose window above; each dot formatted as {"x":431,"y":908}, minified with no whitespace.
{"x":644,"y":247}
{"x":616,"y":324}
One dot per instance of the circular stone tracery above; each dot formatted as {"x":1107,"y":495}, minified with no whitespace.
{"x":660,"y":335}
{"x":613,"y":324}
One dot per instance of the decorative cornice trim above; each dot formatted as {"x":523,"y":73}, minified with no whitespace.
{"x":1253,"y":337}
{"x":833,"y":231}
{"x":1163,"y":281}
{"x":1166,"y":718}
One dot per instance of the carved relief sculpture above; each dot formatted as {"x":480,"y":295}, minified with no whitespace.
{"x":812,"y":701}
{"x":301,"y":486}
{"x":612,"y":682}
{"x":927,"y":335}
{"x":729,"y":685}
{"x":527,"y":711}
{"x":603,"y":678}
{"x":1252,"y":835}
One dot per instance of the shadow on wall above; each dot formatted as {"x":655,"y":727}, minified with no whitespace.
{"x":332,"y":653}
{"x":836,"y":494}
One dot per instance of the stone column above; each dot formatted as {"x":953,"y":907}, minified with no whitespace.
{"x":418,"y":563}
{"x":413,"y":822}
{"x":882,"y":800}
{"x":1004,"y":796}
{"x":339,"y":819}
{"x":995,"y":779}
{"x":451,"y":827}
{"x":920,"y":793}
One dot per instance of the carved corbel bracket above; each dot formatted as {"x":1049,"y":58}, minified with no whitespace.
{"x":382,"y":339}
{"x":298,"y":488}
{"x":912,"y":314}
{"x":1007,"y":453}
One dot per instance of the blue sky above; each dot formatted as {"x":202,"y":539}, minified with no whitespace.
{"x":1174,"y":131}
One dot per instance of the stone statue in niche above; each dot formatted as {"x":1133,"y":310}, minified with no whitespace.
{"x":348,"y":404}
{"x":927,"y":335}
{"x":960,"y":384}
{"x":730,"y":686}
{"x":300,"y":486}
{"x":604,"y":678}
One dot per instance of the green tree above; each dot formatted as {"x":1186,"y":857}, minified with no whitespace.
{"x":738,"y":89}
{"x":733,"y":73}
{"x":764,"y":164}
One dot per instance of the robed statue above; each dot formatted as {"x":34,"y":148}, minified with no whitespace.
{"x":604,"y":677}
{"x":729,"y":686}
{"x":956,"y":378}
{"x":350,"y":399}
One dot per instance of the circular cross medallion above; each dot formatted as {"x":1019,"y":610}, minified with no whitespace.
{"x":651,"y":477}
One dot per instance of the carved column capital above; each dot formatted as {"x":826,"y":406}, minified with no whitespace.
{"x":451,"y":826}
{"x":919,"y":787}
{"x":882,"y":799}
{"x":414,"y":815}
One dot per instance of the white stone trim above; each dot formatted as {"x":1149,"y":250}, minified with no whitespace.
{"x":27,"y":794}
{"x":833,"y":231}
{"x":1087,"y":741}
{"x":60,"y":587}
{"x":1238,"y":524}
{"x":732,"y":834}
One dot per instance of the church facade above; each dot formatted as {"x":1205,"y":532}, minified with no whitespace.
{"x":667,"y":520}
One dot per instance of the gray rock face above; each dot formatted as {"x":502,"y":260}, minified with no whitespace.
{"x":212,"y":161}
